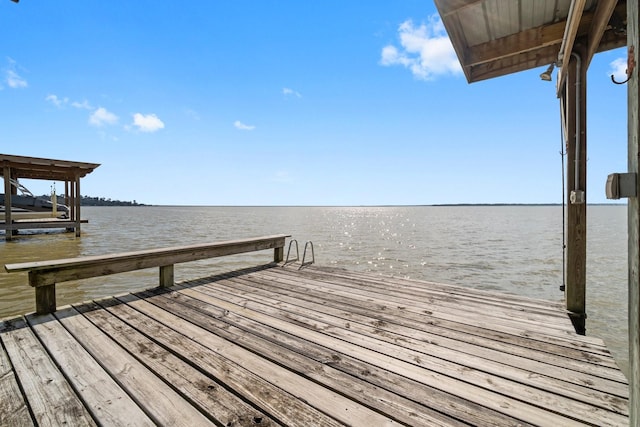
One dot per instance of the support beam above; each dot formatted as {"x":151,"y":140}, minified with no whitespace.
{"x":576,"y":116}
{"x":569,"y":37}
{"x":633,"y":215}
{"x":66,"y":193}
{"x":7,"y":203}
{"x":601,"y":18}
{"x":77,"y":205}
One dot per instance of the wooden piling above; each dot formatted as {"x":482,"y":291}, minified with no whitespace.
{"x":575,"y":292}
{"x":633,"y":88}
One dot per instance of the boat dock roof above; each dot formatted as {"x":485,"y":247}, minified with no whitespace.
{"x":319,"y":346}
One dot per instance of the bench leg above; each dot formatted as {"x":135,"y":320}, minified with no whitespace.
{"x":46,"y":299}
{"x":278,"y":254}
{"x":166,"y":276}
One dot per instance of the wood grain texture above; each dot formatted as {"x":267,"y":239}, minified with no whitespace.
{"x":13,"y":407}
{"x":52,"y":399}
{"x":633,"y":216}
{"x":270,"y":346}
{"x":107,"y":402}
{"x":209,"y":396}
{"x":159,"y":400}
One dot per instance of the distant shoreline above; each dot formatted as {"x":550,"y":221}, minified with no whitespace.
{"x":370,"y":206}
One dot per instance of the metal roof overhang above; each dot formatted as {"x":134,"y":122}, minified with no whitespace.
{"x":49,"y":169}
{"x":493,"y":38}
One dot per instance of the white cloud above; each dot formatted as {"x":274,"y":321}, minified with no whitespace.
{"x":102,"y":117}
{"x":239,"y":125}
{"x":84,"y":105}
{"x":11,"y":76}
{"x":425,"y":50}
{"x":290,"y":92}
{"x":58,"y":102}
{"x":619,"y":69}
{"x":147,"y":123}
{"x":61,"y":102}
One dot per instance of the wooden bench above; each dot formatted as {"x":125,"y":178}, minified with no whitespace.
{"x":43,"y":275}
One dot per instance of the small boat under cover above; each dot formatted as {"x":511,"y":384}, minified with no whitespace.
{"x":26,"y":201}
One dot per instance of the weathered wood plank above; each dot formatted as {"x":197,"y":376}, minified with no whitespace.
{"x":103,"y":397}
{"x":491,"y":314}
{"x":521,"y":346}
{"x":13,"y":408}
{"x":51,"y":399}
{"x":459,"y":320}
{"x":578,"y":385}
{"x":551,"y":309}
{"x":501,"y":314}
{"x":566,"y":334}
{"x":431,"y":358}
{"x":320,"y":364}
{"x":157,"y":399}
{"x":633,"y":215}
{"x":507,"y":318}
{"x":285,"y":407}
{"x":325,"y":400}
{"x":469,"y":293}
{"x":206,"y":394}
{"x":271,"y":346}
{"x":476,"y":387}
{"x":516,"y":345}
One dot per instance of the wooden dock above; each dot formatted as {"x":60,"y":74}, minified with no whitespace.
{"x":317,"y":347}
{"x":27,"y":224}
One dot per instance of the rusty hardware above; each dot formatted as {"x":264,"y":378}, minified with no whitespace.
{"x":631,"y":64}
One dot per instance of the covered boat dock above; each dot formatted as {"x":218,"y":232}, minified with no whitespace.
{"x":17,"y":167}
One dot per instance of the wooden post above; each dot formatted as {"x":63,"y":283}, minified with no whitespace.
{"x":633,"y":217}
{"x":46,"y":299}
{"x":66,"y":195}
{"x":45,"y":295}
{"x":166,"y":276}
{"x":278,"y":254}
{"x":575,"y":291}
{"x":77,"y":205}
{"x":8,"y":230}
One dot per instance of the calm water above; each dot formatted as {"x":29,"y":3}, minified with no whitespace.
{"x":511,"y":249}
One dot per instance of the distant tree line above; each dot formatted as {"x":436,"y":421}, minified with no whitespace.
{"x":97,"y":201}
{"x":101,"y":201}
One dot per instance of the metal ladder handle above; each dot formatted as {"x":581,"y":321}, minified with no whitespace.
{"x":289,"y":250}
{"x":304,"y":254}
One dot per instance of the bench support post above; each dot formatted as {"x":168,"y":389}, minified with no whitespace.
{"x":46,"y":299}
{"x":278,"y":254}
{"x":166,"y":276}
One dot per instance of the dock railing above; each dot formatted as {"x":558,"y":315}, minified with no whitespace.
{"x":43,"y":275}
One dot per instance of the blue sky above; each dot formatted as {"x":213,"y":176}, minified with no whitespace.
{"x":285,"y":103}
